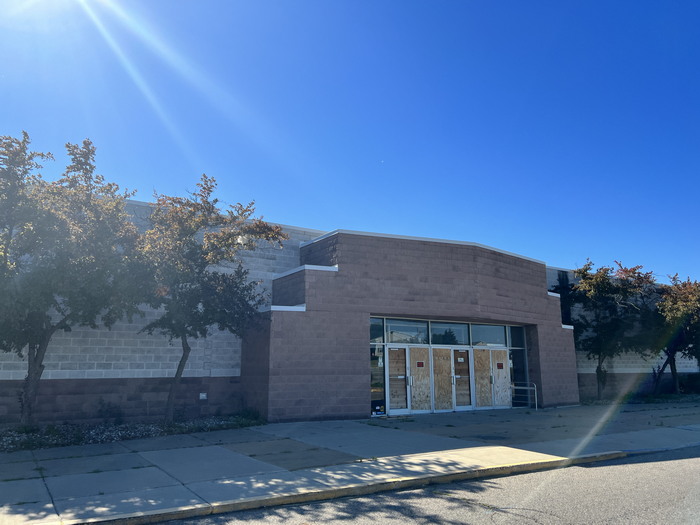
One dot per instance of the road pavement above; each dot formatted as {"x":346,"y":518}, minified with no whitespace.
{"x":645,"y":489}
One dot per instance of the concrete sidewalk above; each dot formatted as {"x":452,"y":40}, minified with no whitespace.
{"x":180,"y":476}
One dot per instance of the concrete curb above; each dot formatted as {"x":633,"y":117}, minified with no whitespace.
{"x":361,"y":489}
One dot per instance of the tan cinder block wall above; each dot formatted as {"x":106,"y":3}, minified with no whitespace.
{"x":124,"y":352}
{"x":125,"y":356}
{"x":319,"y":365}
{"x":628,"y":373}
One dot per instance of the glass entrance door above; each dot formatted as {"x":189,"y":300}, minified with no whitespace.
{"x":443,"y":379}
{"x":410,"y":388}
{"x":377,"y":380}
{"x":492,"y":377}
{"x":452,"y":377}
{"x":398,"y":380}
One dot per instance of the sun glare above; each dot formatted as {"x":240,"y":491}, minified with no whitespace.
{"x":220,"y":98}
{"x":138,"y":79}
{"x":56,"y":23}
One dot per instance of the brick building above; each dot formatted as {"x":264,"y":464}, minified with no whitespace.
{"x":380,"y":324}
{"x":358,"y":324}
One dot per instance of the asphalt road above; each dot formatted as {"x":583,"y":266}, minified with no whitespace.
{"x":647,"y":489}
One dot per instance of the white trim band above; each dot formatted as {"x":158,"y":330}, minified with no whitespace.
{"x":280,"y":308}
{"x":567,"y":326}
{"x":307,"y":267}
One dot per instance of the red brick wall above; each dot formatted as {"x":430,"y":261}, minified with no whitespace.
{"x":255,"y":366}
{"x":427,"y":279}
{"x":319,"y":365}
{"x":289,"y":290}
{"x":318,"y":359}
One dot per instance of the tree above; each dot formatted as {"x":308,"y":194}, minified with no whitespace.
{"x":66,"y":254}
{"x":616,"y":313}
{"x":680,"y":308}
{"x":192,"y":248}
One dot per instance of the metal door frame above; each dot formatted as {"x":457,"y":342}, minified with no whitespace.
{"x":409,"y":381}
{"x":390,"y":411}
{"x":470,"y":357}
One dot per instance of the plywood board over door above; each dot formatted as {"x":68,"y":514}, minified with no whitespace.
{"x":420,"y":373}
{"x":482,"y":377}
{"x":501,"y":380}
{"x":442,"y":378}
{"x":462,"y":386}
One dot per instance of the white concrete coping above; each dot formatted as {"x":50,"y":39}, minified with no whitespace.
{"x":307,"y":267}
{"x":559,"y":268}
{"x":567,"y":326}
{"x":424,"y":239}
{"x":554,"y":294}
{"x":282,"y":308}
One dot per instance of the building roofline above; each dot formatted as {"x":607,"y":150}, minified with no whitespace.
{"x":424,"y":239}
{"x":325,"y":235}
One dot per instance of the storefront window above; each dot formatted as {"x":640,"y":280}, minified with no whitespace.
{"x":518,"y":362}
{"x":522,"y":396}
{"x":449,"y":333}
{"x":403,"y":331}
{"x":488,"y":335}
{"x":517,"y":336}
{"x":376,"y":330}
{"x":378,"y":396}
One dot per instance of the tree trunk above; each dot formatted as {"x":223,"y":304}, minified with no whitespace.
{"x":35,"y":368}
{"x":674,"y":374}
{"x":601,"y":375}
{"x":659,"y":375}
{"x":170,"y":405}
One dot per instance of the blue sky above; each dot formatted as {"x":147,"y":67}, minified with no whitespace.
{"x":557,"y":130}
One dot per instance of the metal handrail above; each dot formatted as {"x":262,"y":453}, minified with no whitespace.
{"x":526,"y":387}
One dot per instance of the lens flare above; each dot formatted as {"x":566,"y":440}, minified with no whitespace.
{"x":140,"y":82}
{"x":250,"y":124}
